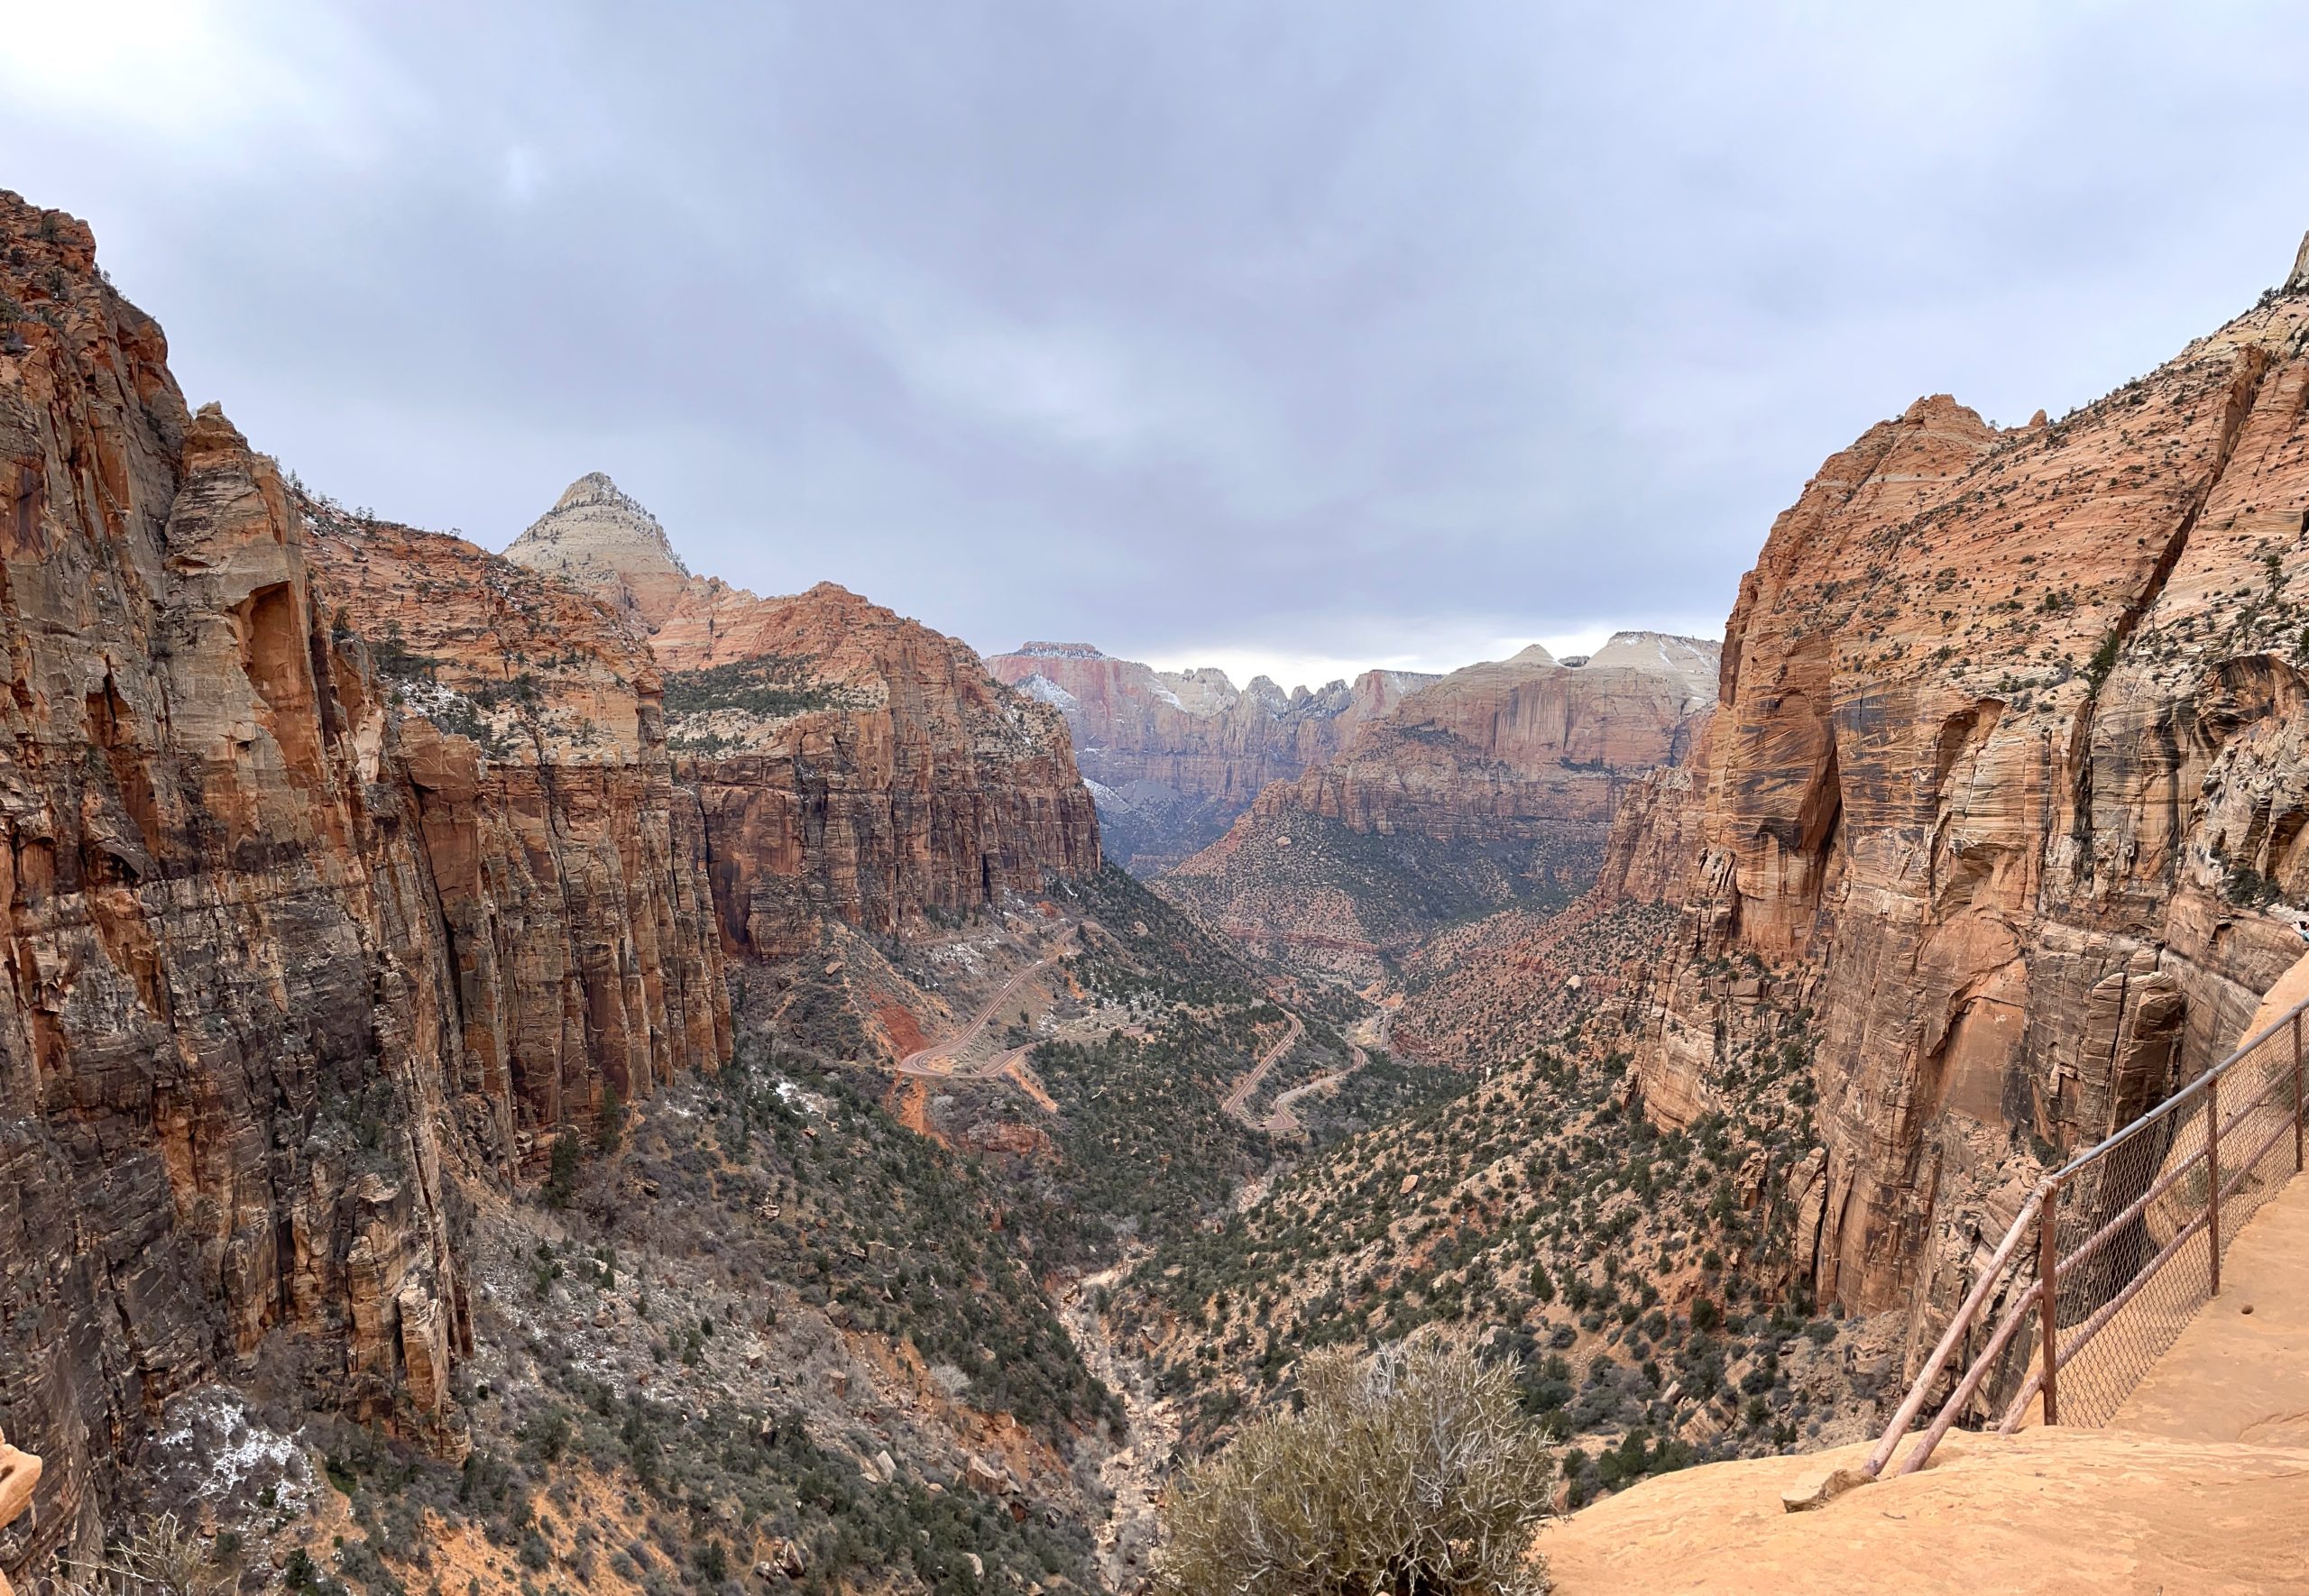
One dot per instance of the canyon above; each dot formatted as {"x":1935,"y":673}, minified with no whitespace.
{"x":353,"y":875}
{"x":1496,"y":783}
{"x":536,"y":1039}
{"x":1175,"y":756}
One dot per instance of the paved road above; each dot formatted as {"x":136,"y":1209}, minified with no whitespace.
{"x":926,"y":1061}
{"x":1238,"y":1099}
{"x":1281,"y":1121}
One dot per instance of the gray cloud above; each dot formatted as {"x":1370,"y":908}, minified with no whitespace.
{"x":1323,"y":329}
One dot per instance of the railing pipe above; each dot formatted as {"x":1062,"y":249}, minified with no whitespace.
{"x":2296,"y":1090}
{"x":2110,"y":1309}
{"x":2212,"y":1166}
{"x":2043,"y":1208}
{"x":1950,"y":1338}
{"x":1967,"y":1388}
{"x":2049,"y":1305}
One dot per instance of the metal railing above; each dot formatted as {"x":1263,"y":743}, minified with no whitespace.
{"x":2129,"y":1234}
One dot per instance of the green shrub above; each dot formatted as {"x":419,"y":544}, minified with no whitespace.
{"x":1415,"y":1472}
{"x":561,"y":1179}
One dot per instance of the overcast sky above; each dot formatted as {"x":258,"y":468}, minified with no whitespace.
{"x":1296,"y":336}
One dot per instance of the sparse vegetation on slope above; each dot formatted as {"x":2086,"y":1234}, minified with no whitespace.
{"x":1639,"y":1283}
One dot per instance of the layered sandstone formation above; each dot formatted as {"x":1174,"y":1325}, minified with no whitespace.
{"x":281,"y":953}
{"x":847,"y":761}
{"x":1183,"y":752}
{"x":1499,"y":782}
{"x":569,"y":865}
{"x":2009,"y":784}
{"x":1522,"y":746}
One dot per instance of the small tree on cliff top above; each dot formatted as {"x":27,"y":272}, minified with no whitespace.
{"x":1414,"y":1473}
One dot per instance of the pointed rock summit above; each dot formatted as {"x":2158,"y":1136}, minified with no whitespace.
{"x":600,"y":538}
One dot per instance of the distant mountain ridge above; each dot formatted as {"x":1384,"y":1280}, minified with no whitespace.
{"x":1492,"y":785}
{"x":1174,"y":755}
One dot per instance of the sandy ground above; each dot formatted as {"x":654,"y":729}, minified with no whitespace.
{"x":2200,"y":1484}
{"x":2049,"y":1511}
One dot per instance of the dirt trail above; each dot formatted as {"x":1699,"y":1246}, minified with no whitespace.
{"x":1137,"y":1470}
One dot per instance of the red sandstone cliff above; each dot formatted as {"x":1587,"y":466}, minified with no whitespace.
{"x":569,"y":865}
{"x":280,"y":954}
{"x":2009,"y":784}
{"x":848,"y":761}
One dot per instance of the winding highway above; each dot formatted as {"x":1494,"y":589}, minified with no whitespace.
{"x":1239,"y":1099}
{"x":936,"y":1061}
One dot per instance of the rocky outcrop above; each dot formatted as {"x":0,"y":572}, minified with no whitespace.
{"x":601,"y":540}
{"x":274,"y":944}
{"x":846,"y":762}
{"x":1498,"y":782}
{"x":2009,"y":784}
{"x":1176,"y":755}
{"x":1656,"y":829}
{"x":1523,"y":746}
{"x":570,"y":866}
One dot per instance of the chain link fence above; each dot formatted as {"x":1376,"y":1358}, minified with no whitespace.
{"x":2132,"y":1234}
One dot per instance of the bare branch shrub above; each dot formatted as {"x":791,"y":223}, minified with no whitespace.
{"x":1413,"y":1473}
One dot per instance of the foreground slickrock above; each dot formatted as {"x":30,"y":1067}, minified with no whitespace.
{"x":2048,"y":1512}
{"x":2008,"y":783}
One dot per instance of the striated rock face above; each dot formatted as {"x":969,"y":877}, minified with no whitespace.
{"x":847,"y":761}
{"x":2009,"y":783}
{"x":1523,"y":746}
{"x":1496,"y":783}
{"x":600,"y":539}
{"x":1656,"y":830}
{"x":1186,"y":750}
{"x":273,"y":945}
{"x":570,"y":866}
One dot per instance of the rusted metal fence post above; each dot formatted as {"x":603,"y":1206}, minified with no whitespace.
{"x":2212,"y":1166}
{"x":2296,"y":1090}
{"x":2048,"y":1305}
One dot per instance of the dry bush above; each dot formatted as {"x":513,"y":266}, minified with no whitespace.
{"x":1412,"y":1473}
{"x":158,"y":1558}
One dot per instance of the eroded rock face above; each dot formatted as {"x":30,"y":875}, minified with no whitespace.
{"x":1498,"y":782}
{"x":280,"y":956}
{"x":856,"y":763}
{"x":1187,"y":747}
{"x":601,"y":540}
{"x":846,"y":761}
{"x":2008,"y":783}
{"x":569,"y":865}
